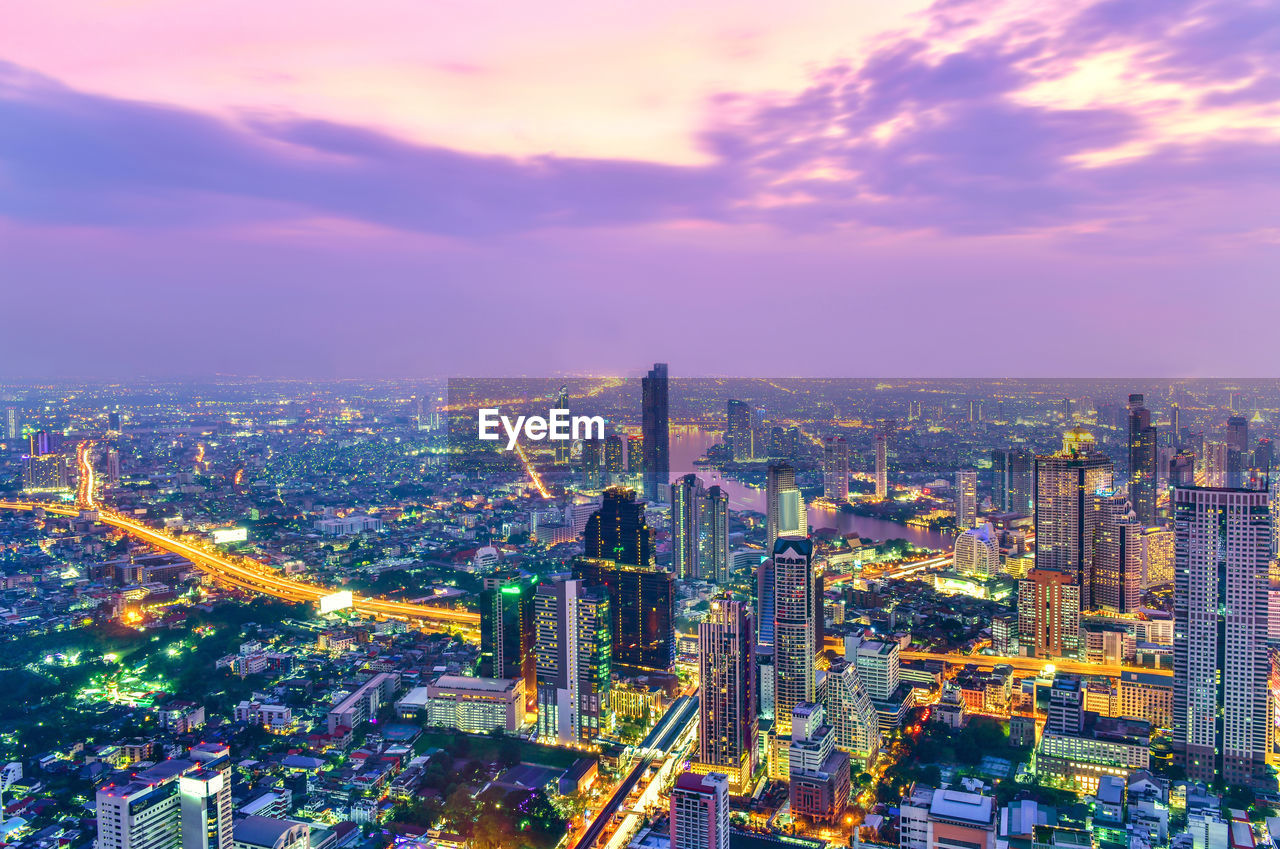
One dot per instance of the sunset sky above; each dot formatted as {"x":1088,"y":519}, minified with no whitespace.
{"x":853,"y":188}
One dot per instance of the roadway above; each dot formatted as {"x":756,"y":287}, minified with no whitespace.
{"x":257,"y":577}
{"x":1033,"y":664}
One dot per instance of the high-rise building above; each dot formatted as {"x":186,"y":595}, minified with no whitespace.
{"x":176,"y":804}
{"x":913,"y":411}
{"x":657,"y":444}
{"x":687,"y":495}
{"x":882,"y":466}
{"x":592,"y":464}
{"x":613,"y":451}
{"x":1117,"y":556}
{"x":852,"y":715}
{"x":966,"y":498}
{"x":738,"y":432}
{"x":1220,"y":608}
{"x":977,"y":552}
{"x":700,"y":811}
{"x":819,"y":772}
{"x":635,"y":455}
{"x":113,"y":422}
{"x":13,"y":423}
{"x":1011,"y":480}
{"x":618,"y":531}
{"x":727,"y":722}
{"x":784,"y":505}
{"x":507,"y":632}
{"x":975,"y":410}
{"x":1143,"y":474}
{"x":113,"y":466}
{"x":1065,"y":518}
{"x":714,"y":540}
{"x":574,"y":660}
{"x":835,"y":469}
{"x":1049,"y":614}
{"x":1238,"y":451}
{"x":795,"y":594}
{"x":642,"y":610}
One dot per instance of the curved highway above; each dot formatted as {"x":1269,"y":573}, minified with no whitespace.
{"x":257,"y":577}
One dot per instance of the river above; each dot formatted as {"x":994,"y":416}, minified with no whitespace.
{"x":688,"y":444}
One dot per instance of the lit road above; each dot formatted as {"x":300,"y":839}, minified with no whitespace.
{"x":1033,"y":664}
{"x":257,"y":577}
{"x":85,"y":487}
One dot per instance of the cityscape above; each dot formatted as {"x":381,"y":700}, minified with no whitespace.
{"x":741,"y":612}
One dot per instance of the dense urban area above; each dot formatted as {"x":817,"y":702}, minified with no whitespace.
{"x":718,"y":613}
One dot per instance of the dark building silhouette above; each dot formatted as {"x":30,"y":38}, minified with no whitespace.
{"x":642,"y":600}
{"x":507,"y":631}
{"x":1143,"y":472}
{"x":617,"y":531}
{"x":656,"y":445}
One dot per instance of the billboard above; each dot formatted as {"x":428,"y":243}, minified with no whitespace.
{"x":224,"y":535}
{"x":337,"y":601}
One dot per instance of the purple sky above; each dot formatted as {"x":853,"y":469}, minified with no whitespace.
{"x":966,"y":188}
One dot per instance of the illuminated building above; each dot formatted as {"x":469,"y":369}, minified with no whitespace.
{"x":784,"y":506}
{"x":851,"y":714}
{"x":642,"y":604}
{"x":966,"y":498}
{"x":617,"y":530}
{"x":976,"y":552}
{"x":45,"y":473}
{"x":263,"y":832}
{"x":176,"y":804}
{"x":714,"y":542}
{"x":635,"y":455}
{"x":1065,"y":518}
{"x":1103,"y":746}
{"x":1143,"y":474}
{"x":975,"y":410}
{"x":475,"y":705}
{"x":687,"y":496}
{"x":613,"y":450}
{"x":1220,"y":696}
{"x":507,"y":632}
{"x":765,"y":596}
{"x":1049,"y":614}
{"x":818,"y":784}
{"x":1237,"y":450}
{"x":113,"y":466}
{"x":738,"y":433}
{"x":727,"y":720}
{"x":592,"y":464}
{"x":700,"y":811}
{"x":882,"y":466}
{"x":795,"y":592}
{"x":574,"y":658}
{"x":362,"y":704}
{"x":835,"y":469}
{"x":1117,"y":558}
{"x":13,"y":423}
{"x":1011,"y":472}
{"x":1146,"y":696}
{"x":657,"y":444}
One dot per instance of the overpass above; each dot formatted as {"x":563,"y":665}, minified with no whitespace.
{"x":253,"y":576}
{"x":1032,"y":664}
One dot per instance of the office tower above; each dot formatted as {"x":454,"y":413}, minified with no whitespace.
{"x":617,"y":531}
{"x":113,"y":466}
{"x":1220,"y":609}
{"x":1011,"y":480}
{"x":819,"y":772}
{"x":507,"y":632}
{"x":1237,"y":451}
{"x":714,"y":542}
{"x":1065,"y":521}
{"x":700,"y":811}
{"x":882,"y":466}
{"x":176,"y":803}
{"x":205,"y":799}
{"x":687,"y":495}
{"x":727,"y":721}
{"x":793,"y":628}
{"x":592,"y":464}
{"x":573,"y":650}
{"x":784,"y":506}
{"x":975,"y":409}
{"x":635,"y":455}
{"x":966,"y":498}
{"x":1157,"y":557}
{"x":913,"y":411}
{"x":977,"y":552}
{"x":1175,"y":425}
{"x":562,"y":449}
{"x":1066,"y":706}
{"x":737,"y":432}
{"x":113,"y":422}
{"x":1182,"y":469}
{"x":835,"y":469}
{"x":45,"y":473}
{"x":1049,"y":614}
{"x":1117,"y":564}
{"x":13,"y":423}
{"x":880,"y":668}
{"x":642,"y":607}
{"x":851,"y":714}
{"x":657,"y":445}
{"x":765,"y":594}
{"x":1142,"y":461}
{"x":1263,"y":459}
{"x":613,"y":451}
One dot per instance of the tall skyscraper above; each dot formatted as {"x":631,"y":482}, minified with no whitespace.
{"x":113,"y":466}
{"x":507,"y":632}
{"x":13,"y":423}
{"x":715,"y":536}
{"x":1143,"y":474}
{"x":852,"y":715}
{"x":1065,"y":518}
{"x":1117,"y":566}
{"x":574,"y":660}
{"x":1011,"y":471}
{"x":1220,"y":609}
{"x":700,"y":811}
{"x":1238,"y":452}
{"x":642,"y":612}
{"x":975,"y":410}
{"x":592,"y":464}
{"x":176,"y":803}
{"x":835,"y":469}
{"x":1049,"y":614}
{"x":795,"y":593}
{"x":613,"y":451}
{"x":727,"y":722}
{"x":657,"y":443}
{"x":618,"y":531}
{"x":738,"y":431}
{"x":784,"y":504}
{"x":882,"y":466}
{"x":687,"y":496}
{"x":966,"y":498}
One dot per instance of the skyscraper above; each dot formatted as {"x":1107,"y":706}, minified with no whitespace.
{"x":966,"y":498}
{"x":642,"y":612}
{"x":795,"y":593}
{"x":687,"y":495}
{"x":657,"y":444}
{"x":1117,"y":564}
{"x":727,"y":720}
{"x":1143,"y":473}
{"x":882,"y":466}
{"x":835,"y":469}
{"x":785,"y":507}
{"x":13,"y":423}
{"x":714,"y":541}
{"x":1049,"y":614}
{"x":852,"y":715}
{"x":176,"y":803}
{"x":975,"y":410}
{"x":1011,"y":480}
{"x":113,"y":466}
{"x":507,"y":632}
{"x":700,"y":811}
{"x":613,"y":452}
{"x":574,"y":660}
{"x":1065,"y":518}
{"x":977,"y":552}
{"x":738,"y":430}
{"x":1237,"y":451}
{"x":1220,"y":662}
{"x":592,"y":464}
{"x":618,"y":531}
